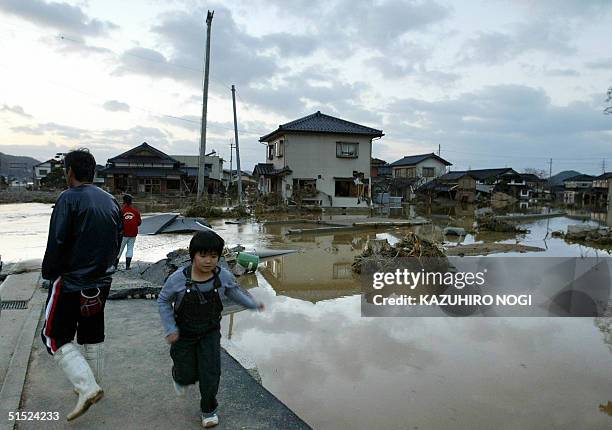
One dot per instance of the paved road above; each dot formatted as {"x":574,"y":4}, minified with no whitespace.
{"x":138,"y":386}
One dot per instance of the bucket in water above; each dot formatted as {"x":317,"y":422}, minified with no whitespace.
{"x":248,"y":261}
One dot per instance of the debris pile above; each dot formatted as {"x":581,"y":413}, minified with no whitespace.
{"x":205,"y":210}
{"x":589,"y":233}
{"x":157,"y":273}
{"x":489,"y":222}
{"x":380,"y":255}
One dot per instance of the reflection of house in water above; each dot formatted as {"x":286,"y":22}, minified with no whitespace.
{"x":321,"y":272}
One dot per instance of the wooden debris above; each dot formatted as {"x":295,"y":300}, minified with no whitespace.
{"x":490,"y":222}
{"x":380,"y":254}
{"x":489,"y":248}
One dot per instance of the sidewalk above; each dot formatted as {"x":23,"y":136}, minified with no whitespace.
{"x":138,"y":387}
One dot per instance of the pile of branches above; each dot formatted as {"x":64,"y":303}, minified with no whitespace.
{"x":205,"y":210}
{"x":489,"y":222}
{"x":386,"y":257}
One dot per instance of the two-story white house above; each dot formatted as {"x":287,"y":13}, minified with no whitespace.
{"x":425,"y":166}
{"x":323,"y":159}
{"x":578,"y":189}
{"x":43,"y":169}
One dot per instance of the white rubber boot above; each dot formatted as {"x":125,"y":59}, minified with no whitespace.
{"x":94,"y":354}
{"x":78,"y":372}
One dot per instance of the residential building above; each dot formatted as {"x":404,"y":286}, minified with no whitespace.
{"x":601,"y":184}
{"x":213,"y":171}
{"x":425,"y":167}
{"x":247,"y":179}
{"x":470,"y":185}
{"x":325,"y":159}
{"x":578,"y":190}
{"x":413,"y":171}
{"x":40,"y":171}
{"x":536,"y":185}
{"x":145,"y":170}
{"x":380,"y":168}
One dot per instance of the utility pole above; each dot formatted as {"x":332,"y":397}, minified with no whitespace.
{"x":237,"y":148}
{"x":231,"y":160}
{"x":202,"y":159}
{"x":550,"y":168}
{"x":438,"y":149}
{"x":603,"y":166}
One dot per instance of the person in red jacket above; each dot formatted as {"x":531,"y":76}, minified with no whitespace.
{"x":131,"y":221}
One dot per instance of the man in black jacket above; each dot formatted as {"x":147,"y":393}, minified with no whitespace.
{"x":85,"y":233}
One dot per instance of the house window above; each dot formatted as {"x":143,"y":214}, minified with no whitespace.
{"x":305,"y":187}
{"x":279,"y":148}
{"x":42,"y":172}
{"x":347,"y":149}
{"x":271,"y":151}
{"x":429,"y":172}
{"x":151,"y":185}
{"x":346,"y":188}
{"x":173,"y":184}
{"x":405,"y":172}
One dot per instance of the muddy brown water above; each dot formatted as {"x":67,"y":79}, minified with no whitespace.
{"x":338,"y":370}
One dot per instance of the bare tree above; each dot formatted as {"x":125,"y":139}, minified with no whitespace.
{"x":608,"y":109}
{"x":540,"y":173}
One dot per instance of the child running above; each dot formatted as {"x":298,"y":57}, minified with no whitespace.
{"x":190,"y":309}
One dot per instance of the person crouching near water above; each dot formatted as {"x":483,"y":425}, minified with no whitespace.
{"x":190,"y":309}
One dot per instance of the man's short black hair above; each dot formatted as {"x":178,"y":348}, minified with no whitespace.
{"x":127,"y":199}
{"x":82,"y":163}
{"x":206,"y":241}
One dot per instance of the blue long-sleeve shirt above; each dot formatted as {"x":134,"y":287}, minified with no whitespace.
{"x":174,"y":290}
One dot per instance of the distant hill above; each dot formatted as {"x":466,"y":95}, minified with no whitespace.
{"x":562,"y":176}
{"x":15,"y":166}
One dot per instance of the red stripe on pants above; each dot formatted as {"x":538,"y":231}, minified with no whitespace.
{"x":49,"y":320}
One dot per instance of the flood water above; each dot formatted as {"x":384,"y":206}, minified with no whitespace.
{"x":338,"y":370}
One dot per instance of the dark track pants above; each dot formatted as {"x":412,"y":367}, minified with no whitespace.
{"x":199,"y":359}
{"x":64,"y":319}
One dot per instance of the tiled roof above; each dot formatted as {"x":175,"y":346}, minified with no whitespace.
{"x":411,"y":160}
{"x":479,"y":174}
{"x":267,"y":169}
{"x":321,"y":123}
{"x":128,"y":156}
{"x":532,"y":177}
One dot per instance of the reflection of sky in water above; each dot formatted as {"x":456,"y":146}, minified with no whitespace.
{"x":338,"y":370}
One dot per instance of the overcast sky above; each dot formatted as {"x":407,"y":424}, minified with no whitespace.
{"x":494,"y":83}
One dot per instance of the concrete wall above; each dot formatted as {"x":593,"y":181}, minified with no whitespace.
{"x":311,"y":155}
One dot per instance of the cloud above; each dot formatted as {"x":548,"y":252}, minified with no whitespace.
{"x":533,"y":36}
{"x":77,"y":45}
{"x":380,"y":24}
{"x":499,"y":124}
{"x":572,"y":9}
{"x":60,"y":130}
{"x":346,"y":24}
{"x":17,"y":110}
{"x":561,"y":72}
{"x":60,"y":16}
{"x":236,"y":57}
{"x":604,"y":64}
{"x":116,"y":106}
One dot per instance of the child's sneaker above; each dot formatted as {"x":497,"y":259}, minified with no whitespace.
{"x":210,"y":420}
{"x":179,"y":389}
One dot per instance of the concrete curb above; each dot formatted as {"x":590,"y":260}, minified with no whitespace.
{"x":12,"y":388}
